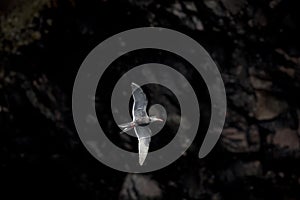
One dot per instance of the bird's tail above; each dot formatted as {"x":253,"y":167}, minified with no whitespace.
{"x":126,"y":127}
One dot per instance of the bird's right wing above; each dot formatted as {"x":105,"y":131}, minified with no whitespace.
{"x":140,"y":102}
{"x":144,"y":136}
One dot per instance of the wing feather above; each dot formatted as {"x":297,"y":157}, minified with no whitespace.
{"x":144,"y":136}
{"x":140,"y":102}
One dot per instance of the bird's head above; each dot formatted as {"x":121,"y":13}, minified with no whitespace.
{"x":155,"y":119}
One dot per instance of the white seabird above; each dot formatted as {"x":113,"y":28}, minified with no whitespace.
{"x":140,"y":121}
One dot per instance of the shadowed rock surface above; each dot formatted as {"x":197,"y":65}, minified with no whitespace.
{"x":256,"y":47}
{"x":140,"y":187}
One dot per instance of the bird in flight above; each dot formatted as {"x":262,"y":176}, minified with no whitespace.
{"x":140,"y":121}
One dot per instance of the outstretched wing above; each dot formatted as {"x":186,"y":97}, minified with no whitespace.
{"x":144,"y":136}
{"x":140,"y":102}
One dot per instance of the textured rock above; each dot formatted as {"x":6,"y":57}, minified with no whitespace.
{"x":238,"y":141}
{"x":234,"y":6}
{"x":215,"y":6}
{"x":268,"y":106}
{"x":286,"y":138}
{"x":260,"y":84}
{"x":255,"y":46}
{"x":240,"y":170}
{"x":140,"y":187}
{"x":242,"y":137}
{"x":17,"y":27}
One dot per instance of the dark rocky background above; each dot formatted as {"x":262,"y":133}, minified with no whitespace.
{"x":256,"y":46}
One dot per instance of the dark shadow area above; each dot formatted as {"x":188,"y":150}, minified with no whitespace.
{"x":256,"y":47}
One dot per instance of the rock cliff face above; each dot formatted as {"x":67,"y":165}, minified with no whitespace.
{"x":256,"y":47}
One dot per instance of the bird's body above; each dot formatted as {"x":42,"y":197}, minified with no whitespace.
{"x":143,"y":121}
{"x":140,"y":121}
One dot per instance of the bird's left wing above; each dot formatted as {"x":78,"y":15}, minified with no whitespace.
{"x":140,"y":102}
{"x":144,"y":136}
